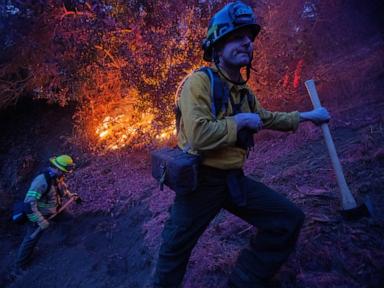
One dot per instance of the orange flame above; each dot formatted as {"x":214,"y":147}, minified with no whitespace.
{"x":122,"y":130}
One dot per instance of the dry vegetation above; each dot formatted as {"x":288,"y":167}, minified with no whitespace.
{"x":121,"y":61}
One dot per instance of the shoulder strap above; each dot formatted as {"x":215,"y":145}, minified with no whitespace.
{"x":219,"y":92}
{"x":212,"y":85}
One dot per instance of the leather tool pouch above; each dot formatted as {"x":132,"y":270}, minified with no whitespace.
{"x":176,"y":169}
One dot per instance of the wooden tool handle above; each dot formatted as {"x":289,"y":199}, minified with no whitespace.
{"x":348,"y":202}
{"x":38,"y":229}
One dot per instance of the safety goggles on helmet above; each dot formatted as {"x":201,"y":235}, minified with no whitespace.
{"x":232,"y":17}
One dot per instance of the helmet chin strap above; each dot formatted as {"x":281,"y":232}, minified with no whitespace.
{"x":248,"y":71}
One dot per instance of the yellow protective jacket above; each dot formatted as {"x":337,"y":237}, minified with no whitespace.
{"x":215,"y":139}
{"x":43,"y":203}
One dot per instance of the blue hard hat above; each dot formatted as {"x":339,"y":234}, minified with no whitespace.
{"x":232,"y":17}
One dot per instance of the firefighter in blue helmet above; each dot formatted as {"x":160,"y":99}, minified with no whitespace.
{"x":223,"y":143}
{"x":43,"y":199}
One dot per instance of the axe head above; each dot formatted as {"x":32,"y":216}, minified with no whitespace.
{"x":356,"y":213}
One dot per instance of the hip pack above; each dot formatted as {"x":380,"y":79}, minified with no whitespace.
{"x":176,"y":169}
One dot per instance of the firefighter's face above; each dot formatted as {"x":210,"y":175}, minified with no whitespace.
{"x":236,"y":50}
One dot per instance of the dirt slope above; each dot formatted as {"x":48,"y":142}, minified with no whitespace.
{"x":113,"y":241}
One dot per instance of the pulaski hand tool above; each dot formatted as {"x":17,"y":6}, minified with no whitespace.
{"x":350,"y":209}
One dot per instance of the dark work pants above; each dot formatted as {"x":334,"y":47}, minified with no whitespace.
{"x":277,"y":219}
{"x":24,"y":255}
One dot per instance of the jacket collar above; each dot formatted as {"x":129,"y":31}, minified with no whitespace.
{"x":230,"y":84}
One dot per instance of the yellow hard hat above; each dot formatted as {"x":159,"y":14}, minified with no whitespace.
{"x":63,"y":162}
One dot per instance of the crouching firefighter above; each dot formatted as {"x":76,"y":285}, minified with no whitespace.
{"x":219,"y":115}
{"x":43,"y":200}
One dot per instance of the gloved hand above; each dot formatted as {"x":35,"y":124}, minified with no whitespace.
{"x":43,"y":224}
{"x":251,"y":121}
{"x":318,"y":116}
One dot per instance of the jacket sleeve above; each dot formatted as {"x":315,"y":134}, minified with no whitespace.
{"x":282,"y":121}
{"x":203,"y":132}
{"x":38,"y":187}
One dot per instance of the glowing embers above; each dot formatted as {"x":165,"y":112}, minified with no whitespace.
{"x":127,"y":127}
{"x":120,"y":130}
{"x":166,"y":133}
